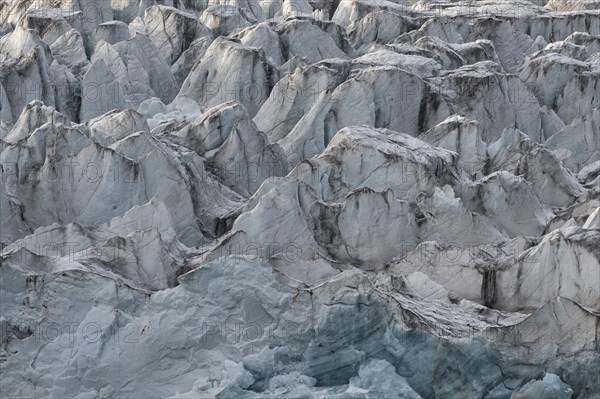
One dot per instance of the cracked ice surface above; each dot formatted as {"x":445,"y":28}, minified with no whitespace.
{"x":300,"y":199}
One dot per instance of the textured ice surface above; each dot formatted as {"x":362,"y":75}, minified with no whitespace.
{"x":300,"y":199}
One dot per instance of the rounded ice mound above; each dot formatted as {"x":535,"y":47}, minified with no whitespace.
{"x":550,"y":387}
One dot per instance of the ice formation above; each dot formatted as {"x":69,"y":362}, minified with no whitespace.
{"x":300,"y":199}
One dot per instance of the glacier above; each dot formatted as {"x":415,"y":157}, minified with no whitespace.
{"x":300,"y":199}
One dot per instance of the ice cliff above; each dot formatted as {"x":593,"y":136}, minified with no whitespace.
{"x":300,"y":199}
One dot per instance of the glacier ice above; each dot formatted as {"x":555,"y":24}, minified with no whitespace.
{"x":300,"y":199}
